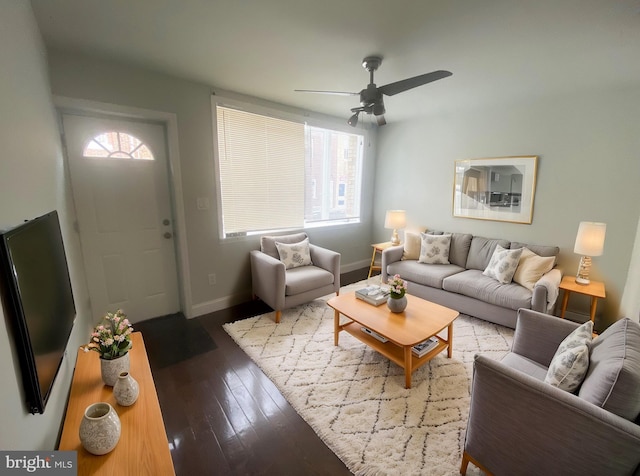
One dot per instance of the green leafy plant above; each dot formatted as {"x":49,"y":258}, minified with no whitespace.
{"x":112,"y":337}
{"x":397,"y":286}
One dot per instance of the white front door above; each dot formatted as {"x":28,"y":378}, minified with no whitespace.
{"x":121,"y":192}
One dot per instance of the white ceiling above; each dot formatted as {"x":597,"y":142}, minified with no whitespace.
{"x":498,"y":50}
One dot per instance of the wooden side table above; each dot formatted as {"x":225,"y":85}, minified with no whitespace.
{"x":595,"y":289}
{"x":377,"y":248}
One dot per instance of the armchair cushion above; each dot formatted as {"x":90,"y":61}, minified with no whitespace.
{"x":571,"y":361}
{"x":305,"y":278}
{"x":295,"y":254}
{"x":268,"y":243}
{"x":613,"y":378}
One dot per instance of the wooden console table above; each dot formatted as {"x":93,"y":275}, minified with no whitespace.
{"x":143,"y":447}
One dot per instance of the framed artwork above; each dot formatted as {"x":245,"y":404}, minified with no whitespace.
{"x":500,"y":189}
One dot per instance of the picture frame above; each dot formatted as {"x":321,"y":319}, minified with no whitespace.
{"x":499,"y":189}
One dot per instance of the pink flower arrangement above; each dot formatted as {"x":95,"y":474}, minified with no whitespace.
{"x":397,"y":286}
{"x":112,"y":338}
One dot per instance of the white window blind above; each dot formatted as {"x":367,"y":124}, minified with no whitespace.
{"x":261,"y":161}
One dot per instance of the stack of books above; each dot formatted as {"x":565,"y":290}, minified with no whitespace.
{"x":425,"y":346}
{"x":375,"y":295}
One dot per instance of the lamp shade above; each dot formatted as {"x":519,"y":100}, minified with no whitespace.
{"x":395,"y":219}
{"x":590,"y":238}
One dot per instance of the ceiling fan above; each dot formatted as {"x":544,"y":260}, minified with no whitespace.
{"x":371,"y":101}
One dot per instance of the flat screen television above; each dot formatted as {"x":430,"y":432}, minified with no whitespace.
{"x":38,"y":302}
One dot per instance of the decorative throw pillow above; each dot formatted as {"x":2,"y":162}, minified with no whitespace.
{"x":571,"y":361}
{"x":434,"y":249}
{"x":294,"y":254}
{"x":411,"y":245}
{"x":531,"y":268}
{"x":503,"y":264}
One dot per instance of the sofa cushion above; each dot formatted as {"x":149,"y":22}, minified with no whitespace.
{"x":571,"y":360}
{"x":481,"y":250}
{"x":474,"y":284}
{"x":459,"y":251}
{"x":503,"y":264}
{"x":537,"y":249}
{"x":419,"y":273}
{"x":525,"y":365}
{"x":412,"y":243}
{"x":613,"y":378}
{"x":294,"y":255}
{"x":531,"y":268}
{"x":306,"y":278}
{"x":434,"y":249}
{"x":268,"y":243}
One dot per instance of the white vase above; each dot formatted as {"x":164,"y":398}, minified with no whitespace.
{"x":397,"y":304}
{"x":111,"y":369}
{"x":126,"y":389}
{"x":100,"y":428}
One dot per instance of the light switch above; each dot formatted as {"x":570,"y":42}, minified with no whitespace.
{"x":202,"y":203}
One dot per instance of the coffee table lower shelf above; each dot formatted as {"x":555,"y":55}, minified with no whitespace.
{"x":394,"y":352}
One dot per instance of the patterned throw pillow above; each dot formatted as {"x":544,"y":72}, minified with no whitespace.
{"x":434,"y":249}
{"x":571,"y":361}
{"x":294,"y":254}
{"x":503,"y":264}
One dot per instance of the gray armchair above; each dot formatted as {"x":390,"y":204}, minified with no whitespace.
{"x":283,"y":288}
{"x":518,"y":424}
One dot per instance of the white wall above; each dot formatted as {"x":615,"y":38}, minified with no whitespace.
{"x":588,"y":170}
{"x":630,"y":306}
{"x":80,"y":77}
{"x":32,"y":182}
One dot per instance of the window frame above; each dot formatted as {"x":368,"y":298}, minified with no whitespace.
{"x":302,"y":117}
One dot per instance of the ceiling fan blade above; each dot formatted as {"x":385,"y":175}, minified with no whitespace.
{"x":335,"y":93}
{"x":381,"y":120}
{"x":409,"y":83}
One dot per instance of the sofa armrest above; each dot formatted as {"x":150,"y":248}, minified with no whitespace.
{"x":538,"y":335}
{"x":520,"y":425}
{"x":268,"y":278}
{"x":546,"y":290}
{"x":390,"y":255}
{"x":327,"y":259}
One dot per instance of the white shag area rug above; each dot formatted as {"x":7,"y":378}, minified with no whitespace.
{"x":354,"y":398}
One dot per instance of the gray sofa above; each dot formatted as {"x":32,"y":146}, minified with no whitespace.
{"x":518,"y":424}
{"x":461,"y":285}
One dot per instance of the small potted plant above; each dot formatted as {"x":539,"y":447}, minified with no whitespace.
{"x":397,"y":301}
{"x":112,"y":340}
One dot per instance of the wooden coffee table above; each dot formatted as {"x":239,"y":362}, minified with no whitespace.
{"x":419,"y":321}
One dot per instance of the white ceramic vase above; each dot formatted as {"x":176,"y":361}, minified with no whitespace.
{"x":100,"y":428}
{"x":397,"y":304}
{"x":126,"y":389}
{"x":111,"y":369}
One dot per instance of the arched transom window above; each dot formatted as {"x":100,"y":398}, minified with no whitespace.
{"x":117,"y":145}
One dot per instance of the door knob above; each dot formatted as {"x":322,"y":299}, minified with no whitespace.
{"x":167,"y":235}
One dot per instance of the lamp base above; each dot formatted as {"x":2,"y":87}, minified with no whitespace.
{"x":583,"y":271}
{"x":395,"y":239}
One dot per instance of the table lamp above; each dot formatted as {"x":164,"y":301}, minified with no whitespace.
{"x":589,"y":242}
{"x":395,"y":219}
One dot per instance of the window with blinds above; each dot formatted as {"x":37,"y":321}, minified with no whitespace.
{"x":276,"y":174}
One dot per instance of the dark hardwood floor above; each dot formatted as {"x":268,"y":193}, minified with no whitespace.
{"x":222,"y":415}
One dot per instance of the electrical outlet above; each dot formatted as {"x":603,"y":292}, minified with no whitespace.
{"x":212,"y":279}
